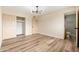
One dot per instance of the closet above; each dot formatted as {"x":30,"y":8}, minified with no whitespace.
{"x":20,"y":25}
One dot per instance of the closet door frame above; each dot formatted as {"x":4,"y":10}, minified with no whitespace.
{"x":21,"y":20}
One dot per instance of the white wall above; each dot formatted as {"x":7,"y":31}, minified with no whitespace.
{"x":28,"y":25}
{"x":0,"y":26}
{"x":53,"y":24}
{"x":34,"y":25}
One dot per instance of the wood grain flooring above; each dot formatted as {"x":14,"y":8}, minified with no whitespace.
{"x":38,"y":43}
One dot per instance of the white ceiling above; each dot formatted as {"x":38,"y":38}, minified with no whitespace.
{"x":28,"y":9}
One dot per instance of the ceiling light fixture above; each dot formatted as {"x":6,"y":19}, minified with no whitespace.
{"x":37,"y":11}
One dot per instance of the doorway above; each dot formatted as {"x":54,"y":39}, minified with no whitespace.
{"x":70,"y":27}
{"x":20,"y":26}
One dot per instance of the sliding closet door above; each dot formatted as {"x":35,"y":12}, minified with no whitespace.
{"x":20,"y":26}
{"x":8,"y":26}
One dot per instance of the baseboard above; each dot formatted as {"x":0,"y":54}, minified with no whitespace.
{"x":49,"y":35}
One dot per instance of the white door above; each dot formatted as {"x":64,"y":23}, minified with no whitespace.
{"x":19,"y":28}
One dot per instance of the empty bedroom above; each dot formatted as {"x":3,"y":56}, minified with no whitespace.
{"x":39,"y":29}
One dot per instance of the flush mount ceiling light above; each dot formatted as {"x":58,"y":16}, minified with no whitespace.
{"x":36,"y":11}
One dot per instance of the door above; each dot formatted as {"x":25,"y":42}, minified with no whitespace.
{"x":19,"y":28}
{"x":70,"y":25}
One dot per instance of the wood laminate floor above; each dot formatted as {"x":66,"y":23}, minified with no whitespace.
{"x":38,"y":43}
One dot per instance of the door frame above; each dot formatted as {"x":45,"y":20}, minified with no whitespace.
{"x":73,"y":12}
{"x":23,"y":24}
{"x":65,"y":23}
{"x":77,"y":42}
{"x":77,"y":26}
